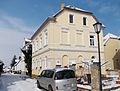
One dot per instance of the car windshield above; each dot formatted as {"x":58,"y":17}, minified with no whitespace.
{"x":65,"y":74}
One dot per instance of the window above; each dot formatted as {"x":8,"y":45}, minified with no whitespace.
{"x":40,"y":41}
{"x":92,"y":40}
{"x":84,"y":20}
{"x":65,"y":74}
{"x":71,"y":18}
{"x":45,"y":37}
{"x":47,"y":73}
{"x":36,"y":44}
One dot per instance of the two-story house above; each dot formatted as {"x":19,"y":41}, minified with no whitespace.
{"x":66,"y":38}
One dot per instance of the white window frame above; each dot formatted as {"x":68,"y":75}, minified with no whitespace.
{"x":45,"y":37}
{"x":36,"y":44}
{"x":86,"y":21}
{"x":40,"y":41}
{"x":73,"y":18}
{"x":93,"y":39}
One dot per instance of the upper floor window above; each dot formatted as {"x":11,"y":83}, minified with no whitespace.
{"x":84,"y":20}
{"x":92,"y":40}
{"x":36,"y":44}
{"x":71,"y":18}
{"x":41,"y":41}
{"x":45,"y":37}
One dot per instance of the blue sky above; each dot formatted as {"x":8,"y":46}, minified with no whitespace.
{"x":21,"y":18}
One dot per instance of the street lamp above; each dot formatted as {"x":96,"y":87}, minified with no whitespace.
{"x":98,"y":27}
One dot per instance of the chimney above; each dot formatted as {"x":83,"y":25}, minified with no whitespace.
{"x":62,"y":6}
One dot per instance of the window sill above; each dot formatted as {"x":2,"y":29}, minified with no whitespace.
{"x":80,"y":45}
{"x":65,"y":44}
{"x":93,"y":46}
{"x":72,"y":24}
{"x":45,"y":46}
{"x":86,"y":26}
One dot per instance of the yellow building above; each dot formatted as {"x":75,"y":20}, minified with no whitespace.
{"x":66,"y":38}
{"x":112,"y":51}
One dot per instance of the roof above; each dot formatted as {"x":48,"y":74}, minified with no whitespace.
{"x":53,"y":18}
{"x":43,"y":24}
{"x":108,"y":36}
{"x":27,"y":40}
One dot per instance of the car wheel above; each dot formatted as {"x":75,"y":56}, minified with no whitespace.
{"x":50,"y":88}
{"x":38,"y":84}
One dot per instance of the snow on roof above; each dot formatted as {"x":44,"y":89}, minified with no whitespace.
{"x":28,"y":40}
{"x":108,"y":36}
{"x":73,"y":7}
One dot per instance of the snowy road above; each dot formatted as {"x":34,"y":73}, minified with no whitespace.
{"x":13,"y":82}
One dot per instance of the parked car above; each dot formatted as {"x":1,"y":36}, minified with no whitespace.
{"x":59,"y":79}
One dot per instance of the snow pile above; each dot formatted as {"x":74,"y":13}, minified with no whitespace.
{"x":13,"y":82}
{"x":23,"y":86}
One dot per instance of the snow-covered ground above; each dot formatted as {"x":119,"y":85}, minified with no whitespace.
{"x":15,"y":82}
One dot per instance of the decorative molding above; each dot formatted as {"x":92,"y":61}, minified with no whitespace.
{"x":66,"y":49}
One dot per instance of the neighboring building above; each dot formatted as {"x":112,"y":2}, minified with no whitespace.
{"x":66,"y":38}
{"x":112,"y":51}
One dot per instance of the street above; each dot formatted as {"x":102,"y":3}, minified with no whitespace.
{"x":15,"y":82}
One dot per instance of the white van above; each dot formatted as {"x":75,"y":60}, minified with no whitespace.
{"x":59,"y":79}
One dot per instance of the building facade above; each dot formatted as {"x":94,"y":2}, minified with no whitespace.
{"x":66,"y":38}
{"x":112,"y":51}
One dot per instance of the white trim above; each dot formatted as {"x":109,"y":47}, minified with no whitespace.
{"x":82,"y":34}
{"x":45,"y":61}
{"x":45,"y":37}
{"x":92,"y":34}
{"x":36,"y":44}
{"x":68,"y":35}
{"x":40,"y":36}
